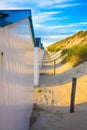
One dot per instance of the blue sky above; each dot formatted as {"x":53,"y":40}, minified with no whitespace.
{"x":53,"y":20}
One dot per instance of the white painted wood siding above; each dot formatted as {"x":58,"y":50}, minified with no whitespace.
{"x":16,"y":76}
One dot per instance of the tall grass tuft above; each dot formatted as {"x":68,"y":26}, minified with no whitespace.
{"x":75,"y":54}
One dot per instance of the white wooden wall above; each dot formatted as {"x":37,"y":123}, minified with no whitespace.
{"x":41,"y":53}
{"x":36,"y":66}
{"x":16,"y":76}
{"x":38,"y":56}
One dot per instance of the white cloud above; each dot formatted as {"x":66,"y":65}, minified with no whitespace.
{"x":82,"y":23}
{"x":44,"y":16}
{"x":49,"y":33}
{"x":38,"y":3}
{"x":47,"y":27}
{"x":77,"y":24}
{"x":4,"y":5}
{"x":66,"y":26}
{"x":21,"y":1}
{"x":50,"y":13}
{"x":62,"y":27}
{"x":56,"y":3}
{"x":56,"y":36}
{"x":53,"y":39}
{"x":66,"y":5}
{"x":56,"y":27}
{"x":48,"y":3}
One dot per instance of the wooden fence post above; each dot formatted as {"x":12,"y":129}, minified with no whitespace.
{"x":72,"y":103}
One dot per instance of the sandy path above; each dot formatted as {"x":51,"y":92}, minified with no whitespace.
{"x":53,"y":100}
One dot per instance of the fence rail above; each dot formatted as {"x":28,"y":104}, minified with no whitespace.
{"x":54,"y":64}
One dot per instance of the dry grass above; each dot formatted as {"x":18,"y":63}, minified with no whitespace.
{"x":75,"y":54}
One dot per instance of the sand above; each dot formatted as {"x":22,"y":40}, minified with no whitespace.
{"x":52,"y":98}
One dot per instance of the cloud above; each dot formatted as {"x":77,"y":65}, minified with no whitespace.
{"x":51,"y":34}
{"x":41,"y":3}
{"x":66,"y":5}
{"x":56,"y":36}
{"x":77,"y":24}
{"x":56,"y":3}
{"x":4,"y":5}
{"x":48,"y":3}
{"x":53,"y":39}
{"x":61,"y":27}
{"x":82,"y":23}
{"x":56,"y":27}
{"x":66,"y":26}
{"x":49,"y":19}
{"x":35,"y":4}
{"x":45,"y":15}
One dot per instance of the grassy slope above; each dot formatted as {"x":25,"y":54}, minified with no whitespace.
{"x":74,"y":48}
{"x":75,"y":54}
{"x":78,"y":38}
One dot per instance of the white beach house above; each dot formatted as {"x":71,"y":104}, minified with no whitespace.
{"x":16,"y":69}
{"x":38,"y":55}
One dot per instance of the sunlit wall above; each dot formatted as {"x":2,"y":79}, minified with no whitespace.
{"x":16,"y":76}
{"x":41,"y":53}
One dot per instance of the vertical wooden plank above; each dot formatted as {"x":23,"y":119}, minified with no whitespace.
{"x":72,"y":103}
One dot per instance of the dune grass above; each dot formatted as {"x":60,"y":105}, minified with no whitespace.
{"x":56,"y":46}
{"x":79,"y":37}
{"x":75,"y":54}
{"x":53,"y":49}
